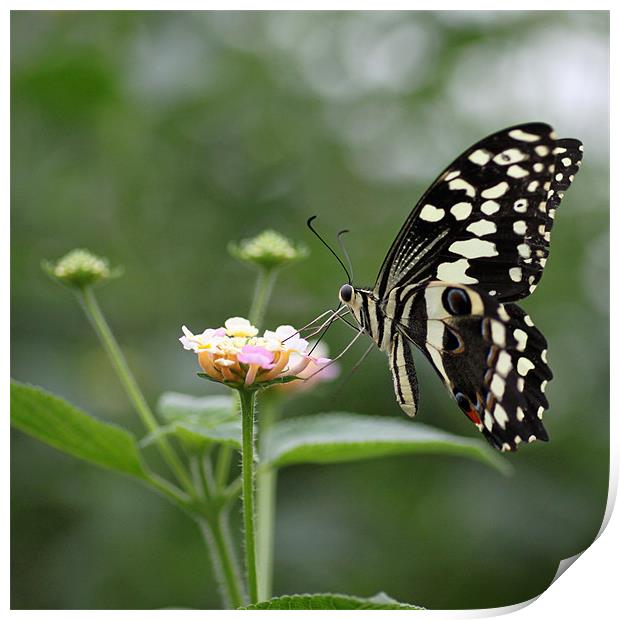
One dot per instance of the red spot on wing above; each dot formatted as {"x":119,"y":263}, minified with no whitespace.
{"x":472,"y":414}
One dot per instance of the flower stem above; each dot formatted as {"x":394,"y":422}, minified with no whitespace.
{"x":266,"y":482}
{"x":215,"y":532}
{"x":247,"y":399}
{"x":93,"y":312}
{"x":214,"y":527}
{"x":262,"y":292}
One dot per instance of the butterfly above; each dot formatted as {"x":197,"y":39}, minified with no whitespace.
{"x":475,"y":243}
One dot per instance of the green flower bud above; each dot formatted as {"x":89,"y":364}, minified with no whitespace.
{"x":80,"y":269}
{"x":268,"y":250}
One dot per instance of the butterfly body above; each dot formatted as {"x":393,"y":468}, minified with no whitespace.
{"x":477,"y":241}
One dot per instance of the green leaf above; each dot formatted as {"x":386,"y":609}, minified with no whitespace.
{"x":340,"y":437}
{"x":54,"y":421}
{"x":331,"y":601}
{"x":173,"y":406}
{"x":199,"y":421}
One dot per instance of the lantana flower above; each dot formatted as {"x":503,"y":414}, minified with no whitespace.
{"x":81,"y":269}
{"x":268,"y":250}
{"x":236,"y":355}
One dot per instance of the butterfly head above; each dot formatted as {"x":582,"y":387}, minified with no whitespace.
{"x":346,"y":293}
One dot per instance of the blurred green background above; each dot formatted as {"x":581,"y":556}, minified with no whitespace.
{"x":154,"y":138}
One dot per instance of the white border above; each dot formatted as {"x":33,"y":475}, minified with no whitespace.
{"x":584,"y":587}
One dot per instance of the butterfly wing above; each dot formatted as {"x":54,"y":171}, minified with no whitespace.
{"x":486,"y":220}
{"x":489,"y":355}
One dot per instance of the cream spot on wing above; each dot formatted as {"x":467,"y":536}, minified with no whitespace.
{"x":515,"y":274}
{"x":504,"y":363}
{"x":479,"y":157}
{"x":516,"y":172}
{"x":543,"y":356}
{"x":559,"y":176}
{"x":474,"y":248}
{"x":457,"y":184}
{"x":540,"y":412}
{"x":482,"y":227}
{"x":524,"y":250}
{"x":509,"y":156}
{"x":542,"y":150}
{"x":520,"y":227}
{"x":520,"y":416}
{"x":430,"y":213}
{"x":520,"y":206}
{"x":521,"y":338}
{"x":488,"y":420}
{"x":531,"y":439}
{"x":527,"y":319}
{"x":455,"y":272}
{"x":533,"y":186}
{"x":496,"y":191}
{"x":520,"y":384}
{"x":498,"y":386}
{"x":434,"y":334}
{"x":558,"y":150}
{"x":498,"y":333}
{"x":538,"y":167}
{"x":524,"y":366}
{"x":501,"y":311}
{"x":489,"y":207}
{"x":461,"y":210}
{"x":566,"y":161}
{"x":500,"y":415}
{"x":519,"y":134}
{"x":543,"y":386}
{"x":437,"y":358}
{"x":452,"y":175}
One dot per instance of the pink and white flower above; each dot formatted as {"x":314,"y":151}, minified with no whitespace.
{"x":236,"y":354}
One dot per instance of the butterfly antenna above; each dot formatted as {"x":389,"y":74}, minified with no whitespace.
{"x":337,"y":391}
{"x":344,"y":251}
{"x":309,"y":222}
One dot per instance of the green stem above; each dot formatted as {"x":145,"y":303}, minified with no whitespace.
{"x":266,"y":482}
{"x":262,"y":292}
{"x":171,"y":492}
{"x":222,"y":468}
{"x":247,"y":475}
{"x":215,"y":532}
{"x":203,"y":476}
{"x":94,"y":314}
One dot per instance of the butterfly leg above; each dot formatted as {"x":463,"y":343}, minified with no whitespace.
{"x":335,"y":359}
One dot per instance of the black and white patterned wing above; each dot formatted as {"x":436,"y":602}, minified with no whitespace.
{"x":489,"y":355}
{"x":486,"y":220}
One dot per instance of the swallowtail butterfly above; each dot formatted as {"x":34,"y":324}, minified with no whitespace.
{"x":476,"y":242}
